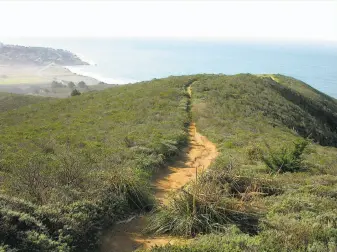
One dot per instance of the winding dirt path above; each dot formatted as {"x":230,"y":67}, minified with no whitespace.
{"x":199,"y":154}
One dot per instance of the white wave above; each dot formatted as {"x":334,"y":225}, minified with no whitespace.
{"x":81,"y":71}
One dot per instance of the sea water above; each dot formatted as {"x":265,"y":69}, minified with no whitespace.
{"x":119,"y":61}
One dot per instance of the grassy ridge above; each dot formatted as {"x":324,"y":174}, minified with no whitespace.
{"x":252,"y":120}
{"x":275,"y":104}
{"x":74,"y":166}
{"x":69,"y":168}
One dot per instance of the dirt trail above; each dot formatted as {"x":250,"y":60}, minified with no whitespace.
{"x":194,"y":159}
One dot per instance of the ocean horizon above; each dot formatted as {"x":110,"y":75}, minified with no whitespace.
{"x":121,"y":61}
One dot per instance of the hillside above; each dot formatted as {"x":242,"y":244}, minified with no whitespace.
{"x":10,"y":101}
{"x":269,"y":189}
{"x":71,"y":168}
{"x":41,"y":56}
{"x":282,"y":103}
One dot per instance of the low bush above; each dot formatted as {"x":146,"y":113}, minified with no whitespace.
{"x":286,"y":159}
{"x":75,"y":92}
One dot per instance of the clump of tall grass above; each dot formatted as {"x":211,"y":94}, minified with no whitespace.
{"x":204,"y":207}
{"x":133,"y":185}
{"x":186,"y":218}
{"x":220,"y":197}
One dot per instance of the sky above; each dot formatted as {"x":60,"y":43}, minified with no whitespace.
{"x":238,"y":20}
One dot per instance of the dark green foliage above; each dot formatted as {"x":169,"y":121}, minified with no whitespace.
{"x":19,"y":228}
{"x":76,"y":226}
{"x":286,"y":159}
{"x":75,"y":92}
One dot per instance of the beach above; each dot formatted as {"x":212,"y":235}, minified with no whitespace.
{"x":25,"y":79}
{"x":30,"y":75}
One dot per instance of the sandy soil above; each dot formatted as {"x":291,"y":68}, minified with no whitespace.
{"x":195,"y":158}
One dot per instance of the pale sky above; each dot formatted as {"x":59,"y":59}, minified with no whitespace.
{"x":254,"y":20}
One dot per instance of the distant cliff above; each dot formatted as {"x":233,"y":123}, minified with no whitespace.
{"x":40,"y":56}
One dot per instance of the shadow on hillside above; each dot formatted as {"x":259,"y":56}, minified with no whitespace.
{"x":316,"y":109}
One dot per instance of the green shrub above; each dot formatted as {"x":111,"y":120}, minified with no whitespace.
{"x":25,"y":232}
{"x":286,"y":160}
{"x":75,"y":92}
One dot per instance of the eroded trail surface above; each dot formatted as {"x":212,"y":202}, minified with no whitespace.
{"x":195,"y":158}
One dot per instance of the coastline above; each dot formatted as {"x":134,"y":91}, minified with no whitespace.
{"x":31,"y":75}
{"x":89,"y":71}
{"x":37,"y":80}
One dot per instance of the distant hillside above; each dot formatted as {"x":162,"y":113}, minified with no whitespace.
{"x":10,"y":101}
{"x":40,"y":56}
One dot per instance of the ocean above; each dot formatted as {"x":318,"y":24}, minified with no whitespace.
{"x":119,"y":61}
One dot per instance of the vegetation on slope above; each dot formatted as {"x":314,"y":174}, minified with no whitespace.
{"x":272,"y":188}
{"x":13,"y":101}
{"x":69,"y":168}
